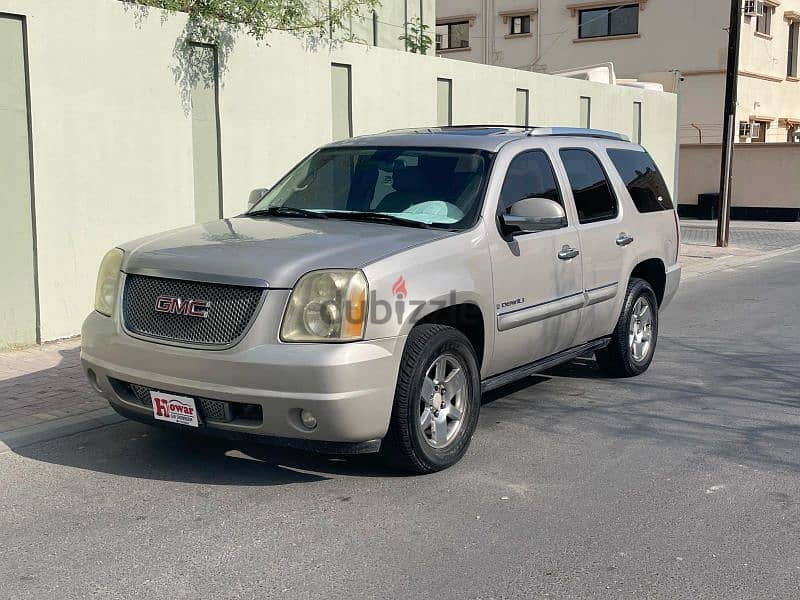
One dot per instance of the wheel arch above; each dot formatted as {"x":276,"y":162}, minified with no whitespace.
{"x":466,"y":317}
{"x":654,"y":272}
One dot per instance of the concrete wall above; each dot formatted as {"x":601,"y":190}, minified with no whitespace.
{"x":114,"y":135}
{"x":764,"y":175}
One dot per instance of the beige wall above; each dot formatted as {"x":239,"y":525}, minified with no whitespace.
{"x":17,"y":266}
{"x":113,"y":139}
{"x":689,"y":35}
{"x":764,"y":175}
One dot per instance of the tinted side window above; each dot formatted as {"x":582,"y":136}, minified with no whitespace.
{"x":530,"y":175}
{"x":591,"y":189}
{"x":643,"y":180}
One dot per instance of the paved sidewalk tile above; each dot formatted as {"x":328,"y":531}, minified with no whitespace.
{"x":42,"y":385}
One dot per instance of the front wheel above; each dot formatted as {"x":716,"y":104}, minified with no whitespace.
{"x":437,"y":401}
{"x":633,"y":343}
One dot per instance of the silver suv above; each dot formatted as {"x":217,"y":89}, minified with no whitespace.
{"x":368,"y":300}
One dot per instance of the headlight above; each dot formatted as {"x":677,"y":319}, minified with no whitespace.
{"x":105,"y":295}
{"x":327,"y":306}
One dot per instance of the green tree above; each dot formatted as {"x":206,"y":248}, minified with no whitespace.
{"x":313,"y":19}
{"x":417,"y":39}
{"x":218,"y":23}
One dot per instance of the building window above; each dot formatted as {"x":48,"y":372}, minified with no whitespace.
{"x":764,"y":23}
{"x":586,"y":112}
{"x":758,"y":131}
{"x":794,"y":35}
{"x":607,"y":22}
{"x":521,"y":24}
{"x":793,"y":134}
{"x":444,"y":102}
{"x":637,"y":122}
{"x":452,"y":35}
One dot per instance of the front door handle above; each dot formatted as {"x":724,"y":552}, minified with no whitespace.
{"x":568,"y":253}
{"x":623,"y":239}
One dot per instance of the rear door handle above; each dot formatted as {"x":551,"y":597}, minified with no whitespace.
{"x":623,"y":239}
{"x":568,"y":253}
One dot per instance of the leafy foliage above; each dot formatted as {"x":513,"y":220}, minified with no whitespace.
{"x":417,"y":39}
{"x":313,"y":19}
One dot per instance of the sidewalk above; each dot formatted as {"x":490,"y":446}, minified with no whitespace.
{"x":44,"y":395}
{"x":750,"y":242}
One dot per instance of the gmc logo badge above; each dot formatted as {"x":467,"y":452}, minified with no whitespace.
{"x":177,"y":306}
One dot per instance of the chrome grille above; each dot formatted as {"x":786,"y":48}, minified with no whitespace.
{"x":231,"y":309}
{"x":210,"y":410}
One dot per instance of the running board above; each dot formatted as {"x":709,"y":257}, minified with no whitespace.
{"x":496,"y":381}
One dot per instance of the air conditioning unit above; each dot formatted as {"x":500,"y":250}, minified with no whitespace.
{"x":744,"y":129}
{"x":753,"y":8}
{"x":755,"y":130}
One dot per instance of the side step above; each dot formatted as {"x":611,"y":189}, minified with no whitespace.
{"x":496,"y":381}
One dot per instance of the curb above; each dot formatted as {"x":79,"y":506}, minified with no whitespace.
{"x":739,"y":262}
{"x":45,"y":432}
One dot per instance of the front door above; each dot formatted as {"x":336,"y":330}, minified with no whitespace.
{"x":538,"y":295}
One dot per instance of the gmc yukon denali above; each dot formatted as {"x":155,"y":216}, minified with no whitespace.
{"x":368,"y":299}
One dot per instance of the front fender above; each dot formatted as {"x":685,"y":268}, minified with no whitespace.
{"x":408,"y":286}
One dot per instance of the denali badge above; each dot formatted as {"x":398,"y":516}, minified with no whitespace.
{"x":176,"y":306}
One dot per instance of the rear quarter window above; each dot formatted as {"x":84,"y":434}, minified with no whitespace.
{"x":642,"y":178}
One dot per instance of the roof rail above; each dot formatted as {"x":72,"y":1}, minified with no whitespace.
{"x":530,"y":130}
{"x":579,"y":132}
{"x":487,"y":126}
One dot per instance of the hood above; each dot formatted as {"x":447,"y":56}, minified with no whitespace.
{"x":276,"y":250}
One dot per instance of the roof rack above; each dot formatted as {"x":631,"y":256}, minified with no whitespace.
{"x":530,"y":130}
{"x":579,"y":132}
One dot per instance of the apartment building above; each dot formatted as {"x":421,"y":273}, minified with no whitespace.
{"x":647,"y":40}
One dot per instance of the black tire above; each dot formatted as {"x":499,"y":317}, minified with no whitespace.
{"x":405,"y":445}
{"x":617,"y":359}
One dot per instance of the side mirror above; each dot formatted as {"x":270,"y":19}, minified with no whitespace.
{"x":531,"y":215}
{"x":256,"y":196}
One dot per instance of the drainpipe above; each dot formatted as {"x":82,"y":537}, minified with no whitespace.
{"x":677,"y":88}
{"x":699,"y":132}
{"x":538,"y":34}
{"x":491,"y":38}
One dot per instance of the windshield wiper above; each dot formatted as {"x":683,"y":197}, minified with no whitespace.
{"x":285,"y":211}
{"x":378,"y":218}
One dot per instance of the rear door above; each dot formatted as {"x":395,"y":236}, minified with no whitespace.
{"x":607,"y":249}
{"x":538,"y":296}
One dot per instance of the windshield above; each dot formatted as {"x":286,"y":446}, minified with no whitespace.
{"x":436,"y":187}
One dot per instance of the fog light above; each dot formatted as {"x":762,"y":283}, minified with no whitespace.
{"x":308,"y":419}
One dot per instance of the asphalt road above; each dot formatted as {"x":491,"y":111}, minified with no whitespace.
{"x":681,"y":483}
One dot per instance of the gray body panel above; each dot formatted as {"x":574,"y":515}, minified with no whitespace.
{"x":534,"y":304}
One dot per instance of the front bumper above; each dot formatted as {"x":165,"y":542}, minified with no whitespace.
{"x":349,"y":387}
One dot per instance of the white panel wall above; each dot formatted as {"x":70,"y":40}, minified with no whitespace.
{"x":113,"y":152}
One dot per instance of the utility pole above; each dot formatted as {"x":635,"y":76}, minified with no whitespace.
{"x":729,"y":127}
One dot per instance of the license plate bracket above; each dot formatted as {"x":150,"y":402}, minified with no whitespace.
{"x":181,"y":410}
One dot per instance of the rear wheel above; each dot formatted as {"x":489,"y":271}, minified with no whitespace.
{"x":633,"y":343}
{"x":437,"y":401}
